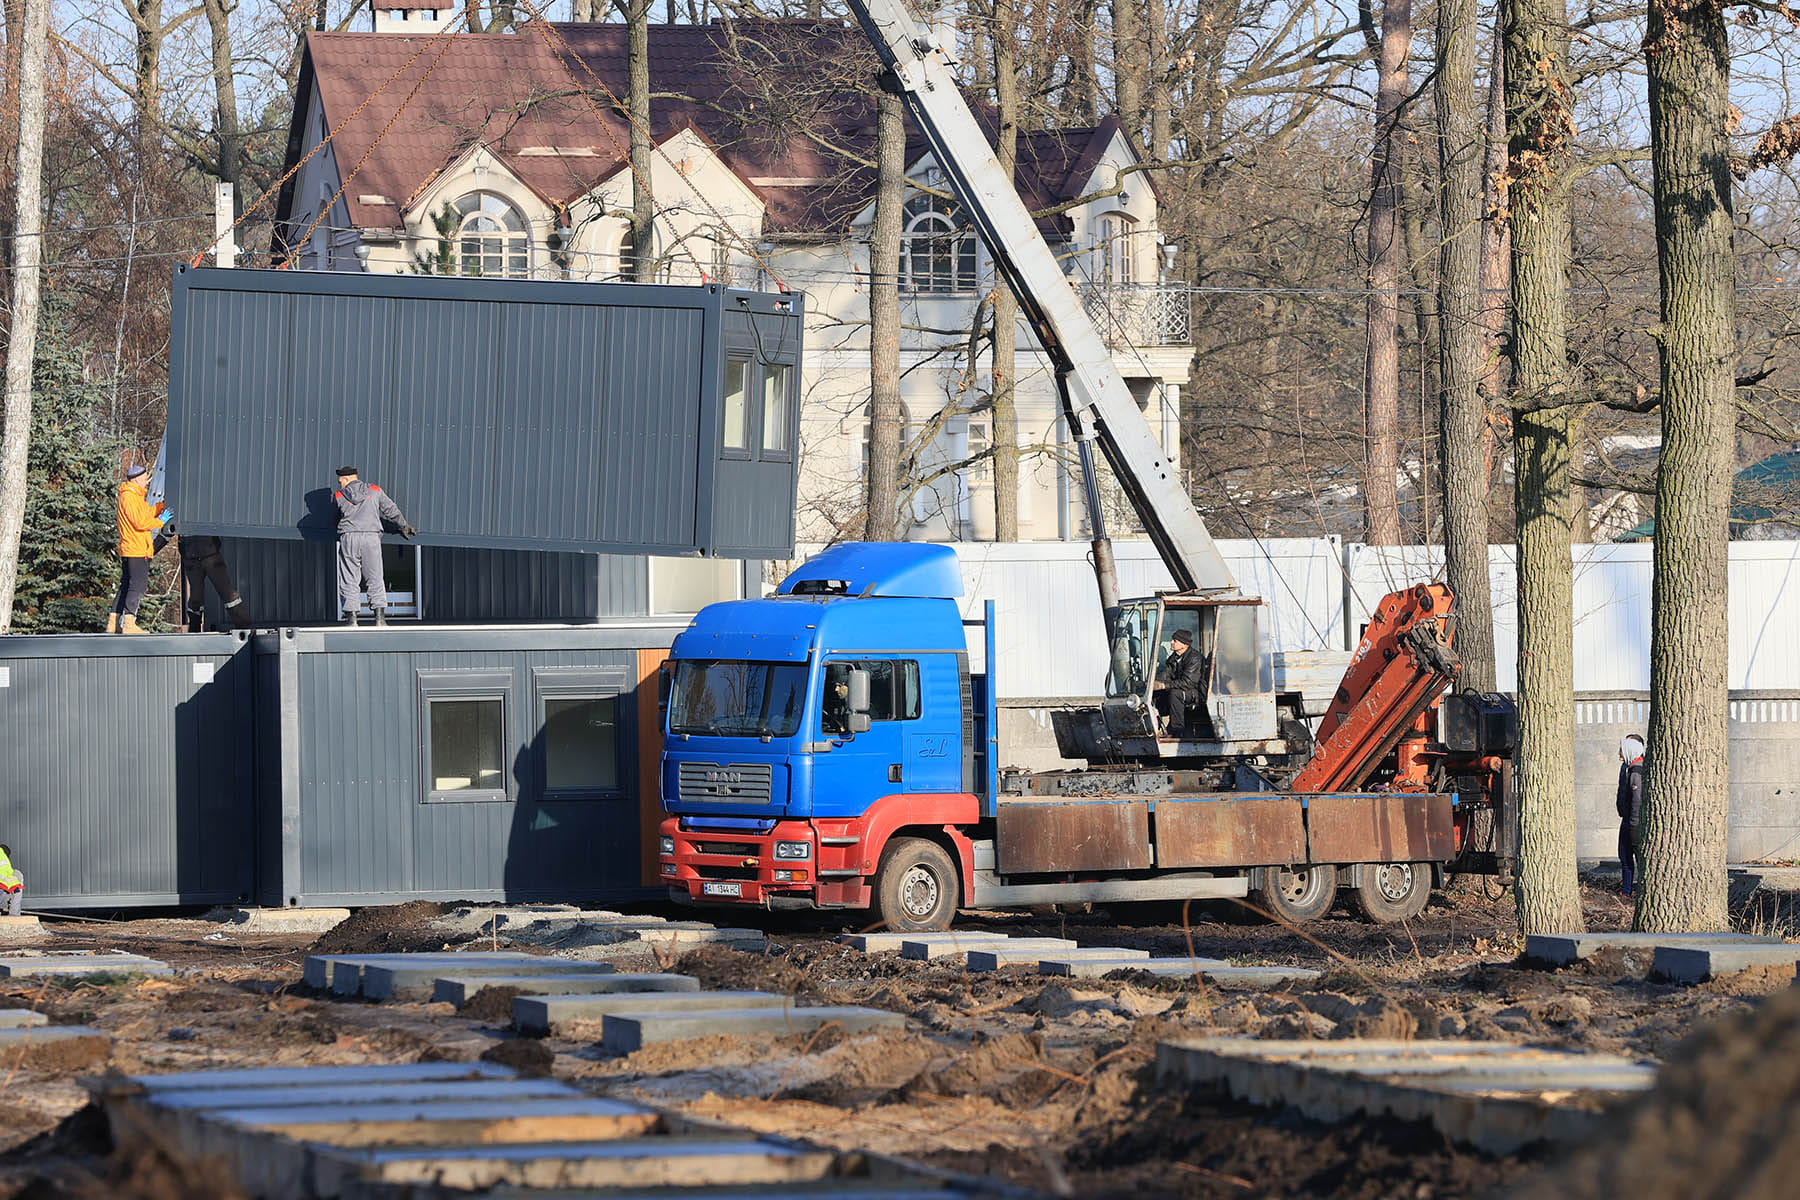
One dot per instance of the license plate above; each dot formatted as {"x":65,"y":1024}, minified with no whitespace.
{"x":722,"y":889}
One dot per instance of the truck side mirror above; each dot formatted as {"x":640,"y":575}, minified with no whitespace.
{"x":859,"y":722}
{"x":858,"y":682}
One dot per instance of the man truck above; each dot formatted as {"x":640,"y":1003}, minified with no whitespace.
{"x":830,"y":746}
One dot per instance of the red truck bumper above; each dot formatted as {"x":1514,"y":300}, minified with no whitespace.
{"x":713,"y":866}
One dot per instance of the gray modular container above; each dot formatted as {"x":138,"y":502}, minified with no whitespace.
{"x":126,"y":769}
{"x":445,"y":763}
{"x":499,"y":414}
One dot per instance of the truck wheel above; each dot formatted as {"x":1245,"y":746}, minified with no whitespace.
{"x":1393,"y":891}
{"x":1297,"y":896}
{"x":917,"y":886}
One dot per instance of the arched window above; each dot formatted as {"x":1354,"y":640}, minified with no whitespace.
{"x":1115,"y":256}
{"x":937,"y":252}
{"x":491,"y":237}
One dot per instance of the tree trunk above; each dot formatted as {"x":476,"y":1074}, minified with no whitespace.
{"x":1496,"y":248}
{"x":1461,"y":413}
{"x":886,"y":415}
{"x":1420,"y":278}
{"x":230,"y":139}
{"x":1686,"y":779}
{"x":28,"y":256}
{"x":1381,"y":373}
{"x":582,"y":11}
{"x":147,"y":16}
{"x":1157,"y":65}
{"x":637,"y":103}
{"x":1005,"y":437}
{"x":1539,"y":130}
{"x":1128,"y":67}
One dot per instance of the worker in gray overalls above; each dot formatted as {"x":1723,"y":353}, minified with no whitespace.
{"x":361,"y":509}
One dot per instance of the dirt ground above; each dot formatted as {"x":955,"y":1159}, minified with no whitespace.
{"x":1045,"y":1083}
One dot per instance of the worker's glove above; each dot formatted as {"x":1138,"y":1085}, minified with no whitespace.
{"x":409,"y":532}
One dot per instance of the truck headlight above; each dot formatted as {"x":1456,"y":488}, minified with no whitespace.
{"x":793,"y":850}
{"x":668,"y":845}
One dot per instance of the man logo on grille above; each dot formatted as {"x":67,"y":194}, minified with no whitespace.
{"x":724,"y":777}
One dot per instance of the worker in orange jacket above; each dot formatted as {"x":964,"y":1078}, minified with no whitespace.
{"x":139,"y":521}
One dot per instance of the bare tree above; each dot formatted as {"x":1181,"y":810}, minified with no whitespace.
{"x":228,"y":134}
{"x":1003,"y":376}
{"x":886,"y":413}
{"x":1381,"y":372}
{"x":1462,"y":415}
{"x":1540,"y":130}
{"x":1686,"y":770}
{"x":637,"y":104}
{"x":27,"y":271}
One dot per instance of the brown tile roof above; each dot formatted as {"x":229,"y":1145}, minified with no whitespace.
{"x":778,"y":99}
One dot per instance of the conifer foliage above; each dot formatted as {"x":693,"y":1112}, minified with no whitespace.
{"x":68,"y":559}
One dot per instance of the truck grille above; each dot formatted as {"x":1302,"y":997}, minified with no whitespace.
{"x":737,"y":849}
{"x":724,"y":783}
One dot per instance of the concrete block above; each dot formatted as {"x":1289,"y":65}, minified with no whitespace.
{"x":639,"y":1163}
{"x":499,"y":1092}
{"x":992,"y":958}
{"x":680,"y":941}
{"x":876,"y":943}
{"x":545,"y":1014}
{"x":267,"y":1077}
{"x":1496,"y":1097}
{"x":1009,"y":949}
{"x":342,"y":973}
{"x":622,"y":1033}
{"x":460,"y":989}
{"x":1561,"y":949}
{"x":1696,"y":964}
{"x":21,"y":1018}
{"x":279,"y":920}
{"x":28,"y":966}
{"x":56,"y":1047}
{"x":410,"y":981}
{"x":20,"y":929}
{"x":449,"y":1122}
{"x":1094,"y":968}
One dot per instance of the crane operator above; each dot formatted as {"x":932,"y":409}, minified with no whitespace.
{"x":1180,"y":688}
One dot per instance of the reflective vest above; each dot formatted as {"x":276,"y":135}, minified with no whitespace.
{"x":9,"y":879}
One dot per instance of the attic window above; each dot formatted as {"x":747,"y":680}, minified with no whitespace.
{"x":491,"y":237}
{"x":937,"y":252}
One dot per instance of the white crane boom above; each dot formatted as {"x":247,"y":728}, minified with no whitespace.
{"x":1095,"y":397}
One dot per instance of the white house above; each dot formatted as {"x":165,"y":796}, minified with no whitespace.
{"x":504,"y":154}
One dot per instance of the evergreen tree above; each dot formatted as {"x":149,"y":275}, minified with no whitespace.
{"x":68,"y":555}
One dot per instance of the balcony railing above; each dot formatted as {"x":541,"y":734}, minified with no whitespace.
{"x":1138,"y":314}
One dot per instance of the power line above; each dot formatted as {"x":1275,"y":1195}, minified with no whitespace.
{"x":74,"y":230}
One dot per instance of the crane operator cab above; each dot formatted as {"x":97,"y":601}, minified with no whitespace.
{"x":1189,"y":678}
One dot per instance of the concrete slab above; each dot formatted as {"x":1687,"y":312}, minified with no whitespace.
{"x":279,"y":920}
{"x":992,"y":958}
{"x":20,"y":929}
{"x":28,"y":966}
{"x":411,"y":981}
{"x":633,"y":1162}
{"x":1013,"y":949}
{"x":21,"y":1018}
{"x":450,"y":1122}
{"x":460,"y":989}
{"x":1561,"y":949}
{"x":343,"y":972}
{"x":58,"y":1047}
{"x":876,"y":943}
{"x":265,"y":1077}
{"x":679,"y":941}
{"x":1696,"y":964}
{"x":1494,"y":1096}
{"x":545,"y":1014}
{"x":622,"y":1033}
{"x":1221,"y":974}
{"x":498,"y":1092}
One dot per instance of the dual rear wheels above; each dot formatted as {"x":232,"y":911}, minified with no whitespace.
{"x":1388,"y":892}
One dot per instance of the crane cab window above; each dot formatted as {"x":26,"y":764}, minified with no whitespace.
{"x":893,"y":692}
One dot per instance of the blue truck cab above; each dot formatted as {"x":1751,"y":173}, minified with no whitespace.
{"x":828,"y":744}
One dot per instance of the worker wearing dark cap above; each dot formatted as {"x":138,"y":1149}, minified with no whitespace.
{"x":139,"y":521}
{"x":1180,"y":689}
{"x":362,"y":507}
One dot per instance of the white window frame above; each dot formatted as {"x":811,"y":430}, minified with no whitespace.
{"x":512,"y":243}
{"x":956,"y":246}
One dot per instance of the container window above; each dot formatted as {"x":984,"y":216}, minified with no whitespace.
{"x":467,"y":750}
{"x":581,"y":750}
{"x":737,"y":406}
{"x":778,"y":437}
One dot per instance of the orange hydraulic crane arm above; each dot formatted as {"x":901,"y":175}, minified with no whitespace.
{"x":1396,"y":676}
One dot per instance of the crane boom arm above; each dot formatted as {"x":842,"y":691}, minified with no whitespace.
{"x":1095,"y":396}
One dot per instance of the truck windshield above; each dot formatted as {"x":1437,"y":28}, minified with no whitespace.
{"x":723,"y":698}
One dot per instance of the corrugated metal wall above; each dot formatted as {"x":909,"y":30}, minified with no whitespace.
{"x":497,"y":413}
{"x":361,"y":827}
{"x":486,"y":586}
{"x":126,"y":768}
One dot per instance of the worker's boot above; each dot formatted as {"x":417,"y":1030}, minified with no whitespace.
{"x":350,"y":617}
{"x":128,"y":624}
{"x":381,"y":617}
{"x":112,"y":622}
